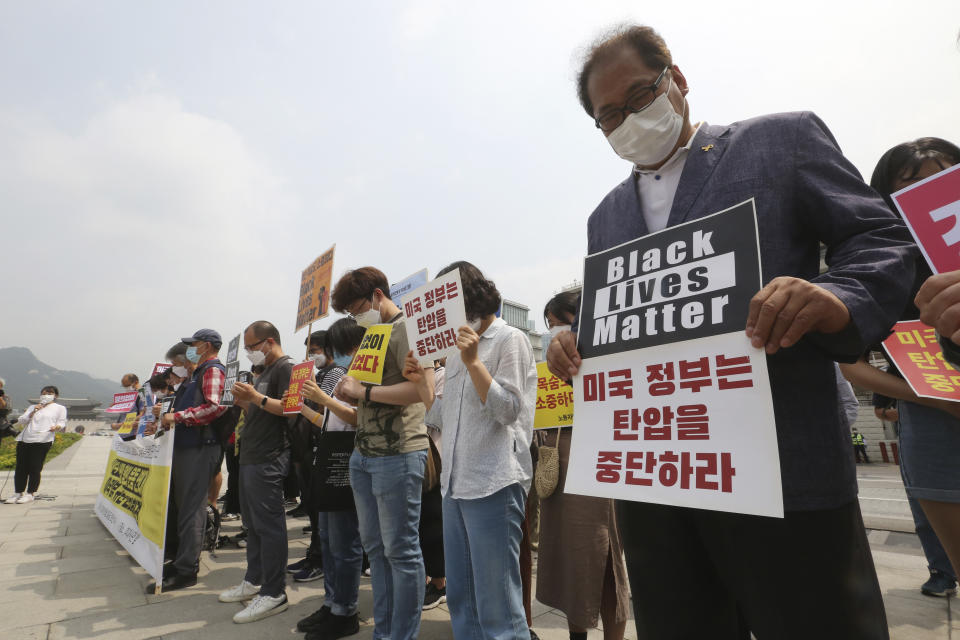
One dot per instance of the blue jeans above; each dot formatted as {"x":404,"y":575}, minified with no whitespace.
{"x":387,"y":493}
{"x":481,"y":542}
{"x":339,"y":536}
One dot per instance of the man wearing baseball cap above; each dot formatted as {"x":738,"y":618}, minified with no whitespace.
{"x":196,"y":452}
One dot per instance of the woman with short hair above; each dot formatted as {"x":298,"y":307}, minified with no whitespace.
{"x":42,"y":420}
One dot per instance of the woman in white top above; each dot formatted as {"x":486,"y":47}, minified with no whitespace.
{"x":33,"y":443}
{"x":486,"y":414}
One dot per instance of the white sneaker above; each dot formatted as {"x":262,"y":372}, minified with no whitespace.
{"x":25,"y":498}
{"x":239,"y":593}
{"x":12,"y":499}
{"x":261,"y":607}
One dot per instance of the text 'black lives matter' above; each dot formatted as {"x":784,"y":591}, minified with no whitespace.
{"x":689,"y":281}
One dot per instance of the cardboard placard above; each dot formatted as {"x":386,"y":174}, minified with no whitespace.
{"x":433,"y":314}
{"x":233,"y":349}
{"x":399,"y":289}
{"x":160,"y":367}
{"x":315,"y":284}
{"x":554,"y":400}
{"x":931,"y":209}
{"x":298,"y":376}
{"x":673,"y":404}
{"x":122,"y":402}
{"x":370,"y":359}
{"x":230,"y":378}
{"x":914,"y":348}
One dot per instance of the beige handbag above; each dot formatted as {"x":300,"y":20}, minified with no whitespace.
{"x":547,"y":475}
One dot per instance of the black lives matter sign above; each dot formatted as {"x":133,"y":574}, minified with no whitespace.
{"x":689,"y":281}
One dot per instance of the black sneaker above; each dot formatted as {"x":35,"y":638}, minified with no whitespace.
{"x":433,"y":597}
{"x":533,"y":636}
{"x":297,"y":512}
{"x":315,"y":620}
{"x":298,"y":566}
{"x":939,"y":585}
{"x":308,"y":574}
{"x":336,"y":627}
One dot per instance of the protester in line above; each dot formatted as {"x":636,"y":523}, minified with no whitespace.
{"x":337,"y":532}
{"x":180,"y":370}
{"x":196,"y":451}
{"x":301,"y":450}
{"x":805,"y":193}
{"x":929,"y":431}
{"x":264,"y":463}
{"x":130,"y":382}
{"x":580,"y":567}
{"x":5,"y":428}
{"x":42,"y":421}
{"x":431,"y":515}
{"x":387,"y":466}
{"x":486,"y":415}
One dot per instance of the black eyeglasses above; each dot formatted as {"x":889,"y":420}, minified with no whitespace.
{"x":636,"y":102}
{"x":254,"y":345}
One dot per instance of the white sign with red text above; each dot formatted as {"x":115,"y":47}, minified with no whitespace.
{"x":433,"y":314}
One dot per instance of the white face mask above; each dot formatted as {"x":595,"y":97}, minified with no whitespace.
{"x":256,"y":357}
{"x":558,"y":329}
{"x":47,"y":398}
{"x":647,"y":137}
{"x":180,"y":372}
{"x":475,"y":324}
{"x":319,"y":358}
{"x":177,"y":386}
{"x":368,"y":318}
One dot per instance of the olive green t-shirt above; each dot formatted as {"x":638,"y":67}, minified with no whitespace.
{"x":389,"y":429}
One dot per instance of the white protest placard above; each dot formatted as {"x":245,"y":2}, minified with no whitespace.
{"x":672,"y":405}
{"x":133,"y":498}
{"x":433,"y":314}
{"x":408,"y":284}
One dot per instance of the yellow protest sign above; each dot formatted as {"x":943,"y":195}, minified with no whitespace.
{"x":128,"y":423}
{"x":554,"y":400}
{"x":139,"y":490}
{"x":369,"y":361}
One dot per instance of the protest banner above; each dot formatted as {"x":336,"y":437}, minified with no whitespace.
{"x":132,"y":503}
{"x":315,"y":284}
{"x":554,"y":400}
{"x":915,"y":350}
{"x":405,"y":286}
{"x":122,"y":402}
{"x":931,"y":209}
{"x":298,"y":375}
{"x":673,"y":404}
{"x":160,"y":367}
{"x":369,"y":361}
{"x":433,"y":314}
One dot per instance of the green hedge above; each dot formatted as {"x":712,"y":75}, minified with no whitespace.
{"x":8,"y":450}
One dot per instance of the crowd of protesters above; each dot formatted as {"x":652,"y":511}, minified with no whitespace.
{"x":440,"y":458}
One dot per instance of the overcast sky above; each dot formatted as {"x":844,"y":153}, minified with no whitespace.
{"x":167,"y":166}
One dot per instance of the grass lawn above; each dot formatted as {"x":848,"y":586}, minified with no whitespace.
{"x":8,"y":450}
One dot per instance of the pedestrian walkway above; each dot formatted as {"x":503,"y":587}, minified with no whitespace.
{"x":63,"y":577}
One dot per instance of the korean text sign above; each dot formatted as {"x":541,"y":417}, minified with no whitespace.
{"x":433,"y":314}
{"x":160,"y":367}
{"x":931,"y":209}
{"x":298,"y":376}
{"x":315,"y":284}
{"x":914,"y":348}
{"x":232,"y":373}
{"x":123,"y":402}
{"x":673,"y":404}
{"x":554,"y":400}
{"x":369,"y":361}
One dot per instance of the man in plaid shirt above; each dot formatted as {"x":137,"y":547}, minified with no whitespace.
{"x":196,"y":452}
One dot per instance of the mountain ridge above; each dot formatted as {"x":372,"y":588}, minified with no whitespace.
{"x":25,"y":375}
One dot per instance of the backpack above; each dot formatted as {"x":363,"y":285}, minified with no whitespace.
{"x":225,"y":424}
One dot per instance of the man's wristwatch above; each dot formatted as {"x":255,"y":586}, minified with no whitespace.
{"x":263,"y":402}
{"x":366,"y":395}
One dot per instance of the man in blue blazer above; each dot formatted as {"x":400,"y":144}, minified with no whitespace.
{"x":810,"y":574}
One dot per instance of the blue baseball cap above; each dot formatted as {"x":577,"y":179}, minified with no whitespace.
{"x":205,"y":335}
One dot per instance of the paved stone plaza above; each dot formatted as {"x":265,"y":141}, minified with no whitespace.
{"x":62,"y":576}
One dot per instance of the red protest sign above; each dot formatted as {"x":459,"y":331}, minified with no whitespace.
{"x":160,"y":367}
{"x":299,"y":375}
{"x":913,"y":347}
{"x":122,"y":402}
{"x":931,"y":209}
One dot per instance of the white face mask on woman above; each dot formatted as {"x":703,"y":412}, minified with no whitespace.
{"x":47,"y":398}
{"x":558,"y":329}
{"x":649,"y":136}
